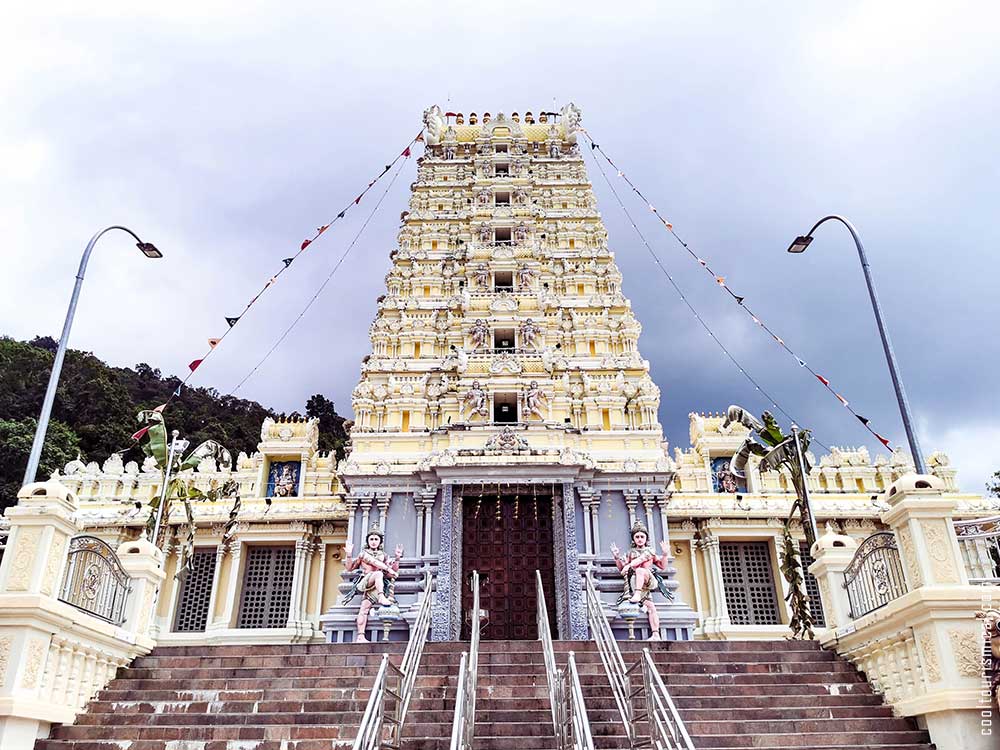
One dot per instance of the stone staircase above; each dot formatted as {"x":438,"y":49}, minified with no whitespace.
{"x":731,"y":694}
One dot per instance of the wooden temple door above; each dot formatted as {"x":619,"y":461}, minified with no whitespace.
{"x":506,"y":539}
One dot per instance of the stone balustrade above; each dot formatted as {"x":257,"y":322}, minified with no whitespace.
{"x":54,"y":657}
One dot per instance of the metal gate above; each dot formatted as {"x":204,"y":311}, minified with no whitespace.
{"x":95,"y":580}
{"x":748,"y":580}
{"x":812,"y":586}
{"x":196,"y":593}
{"x":267,"y":587}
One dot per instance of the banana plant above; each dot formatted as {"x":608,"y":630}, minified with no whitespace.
{"x":153,"y":440}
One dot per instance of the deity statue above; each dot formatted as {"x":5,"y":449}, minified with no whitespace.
{"x":449,"y":151}
{"x":285,"y":484}
{"x":485,"y":233}
{"x":482,"y":275}
{"x":641,"y":568}
{"x":483,"y":197}
{"x":520,"y":196}
{"x":531,"y":334}
{"x":476,"y":399}
{"x":459,"y":359}
{"x":534,"y":399}
{"x":551,"y":358}
{"x":374,"y":582}
{"x":520,"y":233}
{"x":480,"y":334}
{"x":525,"y":276}
{"x":554,"y":149}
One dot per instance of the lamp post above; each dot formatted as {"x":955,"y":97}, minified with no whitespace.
{"x":150,"y":251}
{"x":799,"y":246}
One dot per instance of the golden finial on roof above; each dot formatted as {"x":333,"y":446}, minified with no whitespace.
{"x":472,"y":118}
{"x":529,"y":118}
{"x":515,"y":117}
{"x":459,"y":119}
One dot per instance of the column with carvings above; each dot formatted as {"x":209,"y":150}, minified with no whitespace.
{"x":441,"y":614}
{"x":577,"y":613}
{"x":718,"y":620}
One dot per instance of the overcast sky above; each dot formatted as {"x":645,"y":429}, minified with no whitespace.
{"x":226,"y":133}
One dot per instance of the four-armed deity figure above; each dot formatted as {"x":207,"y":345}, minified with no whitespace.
{"x":374,"y":582}
{"x":482,"y":275}
{"x":530,"y":334}
{"x":534,"y":399}
{"x":525,"y":277}
{"x":476,"y":398}
{"x":641,"y":569}
{"x":480,"y":334}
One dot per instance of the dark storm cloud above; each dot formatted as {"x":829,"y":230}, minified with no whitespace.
{"x":228,"y":138}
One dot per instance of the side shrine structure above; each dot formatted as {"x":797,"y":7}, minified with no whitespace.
{"x":505,"y":421}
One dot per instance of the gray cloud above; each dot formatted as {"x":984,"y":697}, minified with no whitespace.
{"x":227,"y":136}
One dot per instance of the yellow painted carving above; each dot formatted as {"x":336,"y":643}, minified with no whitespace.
{"x":932,"y":667}
{"x":28,"y":541}
{"x":938,"y":548}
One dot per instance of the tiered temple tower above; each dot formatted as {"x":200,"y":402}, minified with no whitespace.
{"x":505,"y":402}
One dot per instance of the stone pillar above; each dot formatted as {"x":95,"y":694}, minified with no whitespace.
{"x":832,"y":553}
{"x":718,"y":620}
{"x":921,"y":518}
{"x":441,"y":625}
{"x":144,"y":564}
{"x":41,"y":525}
{"x":574,"y":583}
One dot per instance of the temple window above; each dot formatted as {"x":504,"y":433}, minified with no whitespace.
{"x":405,"y":423}
{"x":505,"y":407}
{"x":501,"y":235}
{"x":503,"y":338}
{"x":500,"y":148}
{"x":502,"y":199}
{"x":503,"y":281}
{"x":501,"y":170}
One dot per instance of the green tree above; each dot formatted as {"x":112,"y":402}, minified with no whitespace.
{"x":993,"y":485}
{"x":332,"y":436}
{"x":61,"y":446}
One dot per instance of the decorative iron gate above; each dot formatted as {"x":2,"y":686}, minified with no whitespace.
{"x":874,"y":576}
{"x":267,"y":587}
{"x":95,"y":581}
{"x":748,"y":580}
{"x":812,"y":586}
{"x":196,"y":593}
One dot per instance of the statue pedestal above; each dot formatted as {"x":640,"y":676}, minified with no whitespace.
{"x":629,"y":613}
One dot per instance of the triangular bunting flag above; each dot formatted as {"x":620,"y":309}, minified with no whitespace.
{"x":863,"y":420}
{"x":406,"y":152}
{"x":177,"y":392}
{"x":194,"y":364}
{"x":341,"y":215}
{"x":322,"y":229}
{"x":883,"y":441}
{"x":140,"y":434}
{"x":358,"y":200}
{"x":593,"y":146}
{"x":841,"y":398}
{"x":305,"y":244}
{"x":232,"y":321}
{"x":739,"y":300}
{"x":159,"y":409}
{"x":287,"y":261}
{"x":213,"y":343}
{"x":823,"y":380}
{"x":802,"y":362}
{"x":419,"y":138}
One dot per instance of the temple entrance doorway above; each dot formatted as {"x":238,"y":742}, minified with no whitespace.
{"x":506,"y":536}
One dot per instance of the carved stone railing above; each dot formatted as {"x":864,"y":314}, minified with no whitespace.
{"x":56,"y":655}
{"x":875,"y":576}
{"x":979,"y":540}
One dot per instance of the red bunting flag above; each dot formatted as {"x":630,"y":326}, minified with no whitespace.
{"x":840,"y":398}
{"x":823,"y":380}
{"x":322,"y":229}
{"x":358,"y":199}
{"x":194,"y":364}
{"x":406,"y":152}
{"x":883,"y":441}
{"x":419,"y":138}
{"x":212,"y":343}
{"x":141,"y":433}
{"x":305,"y":244}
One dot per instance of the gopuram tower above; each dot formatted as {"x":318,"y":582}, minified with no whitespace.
{"x":505,"y":420}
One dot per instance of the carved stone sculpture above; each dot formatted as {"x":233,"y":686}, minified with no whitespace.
{"x":480,"y":334}
{"x":375,"y":581}
{"x":531,"y":334}
{"x":476,"y":400}
{"x":534,"y":399}
{"x":640,"y":567}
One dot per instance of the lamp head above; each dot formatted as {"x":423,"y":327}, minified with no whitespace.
{"x":149,"y":249}
{"x":800,"y":244}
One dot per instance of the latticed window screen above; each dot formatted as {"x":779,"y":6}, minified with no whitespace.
{"x":196,"y":592}
{"x":267,"y":587}
{"x":748,"y":580}
{"x":812,"y":587}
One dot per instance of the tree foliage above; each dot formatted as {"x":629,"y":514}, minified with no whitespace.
{"x":96,"y":406}
{"x":993,"y":484}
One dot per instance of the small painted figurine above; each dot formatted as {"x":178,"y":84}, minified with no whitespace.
{"x":374,"y":582}
{"x":641,"y":569}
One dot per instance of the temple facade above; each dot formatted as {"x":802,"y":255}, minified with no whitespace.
{"x":505,"y":422}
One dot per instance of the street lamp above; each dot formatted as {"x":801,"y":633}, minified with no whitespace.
{"x":150,"y":251}
{"x":799,"y":245}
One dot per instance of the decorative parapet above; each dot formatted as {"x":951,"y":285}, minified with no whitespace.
{"x":55,"y":656}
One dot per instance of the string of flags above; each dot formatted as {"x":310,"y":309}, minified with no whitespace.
{"x":740,"y":300}
{"x":232,"y":321}
{"x":322,"y":286}
{"x":680,"y":293}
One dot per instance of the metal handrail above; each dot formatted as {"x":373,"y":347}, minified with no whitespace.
{"x":582,"y":739}
{"x":464,"y":724}
{"x":387,"y":704}
{"x":611,"y":657}
{"x":569,"y":712}
{"x":666,"y":726}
